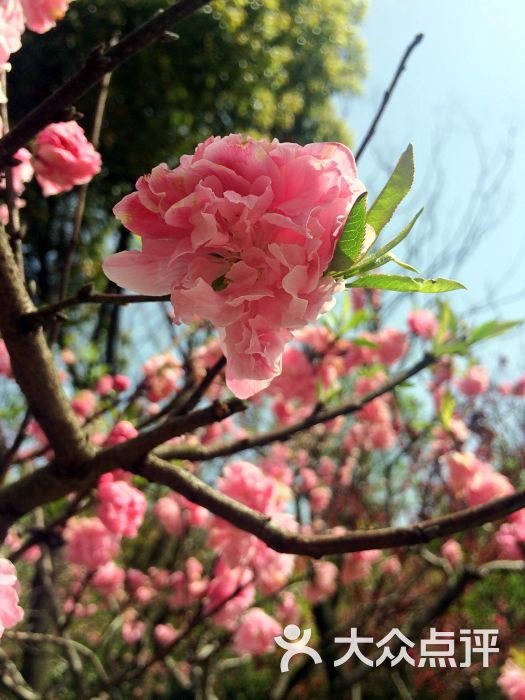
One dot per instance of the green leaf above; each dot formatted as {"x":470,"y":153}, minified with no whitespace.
{"x":397,"y":261}
{"x":490,"y":329}
{"x":364,"y":343}
{"x":395,"y":190}
{"x":460,"y":346}
{"x":351,"y":240}
{"x":446,"y":411}
{"x":400,"y":283}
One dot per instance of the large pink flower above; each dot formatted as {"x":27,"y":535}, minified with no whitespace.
{"x":241,"y":234}
{"x":64,"y":158}
{"x":11,"y":28}
{"x":42,"y":15}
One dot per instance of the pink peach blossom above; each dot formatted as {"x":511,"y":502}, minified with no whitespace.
{"x":163,"y":375}
{"x":108,"y":579}
{"x":133,"y":630}
{"x":84,"y":403}
{"x":422,"y":322}
{"x":452,"y":552}
{"x":5,"y":361}
{"x":121,"y":382}
{"x":230,"y":593}
{"x":121,"y":431}
{"x":255,"y":635}
{"x":21,"y":173}
{"x":89,"y":543}
{"x":42,"y":15}
{"x":165,"y":634}
{"x":11,"y":28}
{"x":168,"y":513}
{"x":63,"y":158}
{"x":121,"y":507}
{"x":287,"y":611}
{"x":512,"y":681}
{"x":10,"y":612}
{"x":519,"y":387}
{"x":241,"y":234}
{"x":391,"y":566}
{"x":475,"y":382}
{"x":105,"y":385}
{"x":324,"y":582}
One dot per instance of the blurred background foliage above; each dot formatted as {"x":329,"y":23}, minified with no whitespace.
{"x":265,"y":69}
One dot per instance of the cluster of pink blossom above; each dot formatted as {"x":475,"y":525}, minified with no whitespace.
{"x":474,"y":480}
{"x":241,"y":234}
{"x":15,"y":15}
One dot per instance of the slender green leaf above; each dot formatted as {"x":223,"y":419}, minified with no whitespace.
{"x":446,"y":410}
{"x":351,"y":240}
{"x":393,"y":258}
{"x":491,"y":329}
{"x":364,"y":343}
{"x":377,"y":259}
{"x":460,"y":346}
{"x":400,"y":283}
{"x":394,"y":191}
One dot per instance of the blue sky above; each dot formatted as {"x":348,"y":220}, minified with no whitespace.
{"x":461,"y":102}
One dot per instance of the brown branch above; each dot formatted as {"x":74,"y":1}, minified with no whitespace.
{"x":32,"y":320}
{"x":260,"y":525}
{"x":33,"y":365}
{"x":196,"y":454}
{"x":58,"y":479}
{"x":102,"y":60}
{"x":388,"y":94}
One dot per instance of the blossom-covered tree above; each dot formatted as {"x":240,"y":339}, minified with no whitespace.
{"x":289,"y":472}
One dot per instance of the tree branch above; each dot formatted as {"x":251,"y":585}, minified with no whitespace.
{"x":33,"y":366}
{"x":33,"y":319}
{"x":388,"y":94}
{"x":196,"y":454}
{"x":260,"y":525}
{"x":58,"y":479}
{"x":102,"y":60}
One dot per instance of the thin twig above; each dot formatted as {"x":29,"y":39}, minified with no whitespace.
{"x":32,"y":320}
{"x":388,"y":94}
{"x":40,"y":637}
{"x":82,"y":198}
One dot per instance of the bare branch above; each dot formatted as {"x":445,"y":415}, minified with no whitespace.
{"x":32,"y":320}
{"x":388,"y":94}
